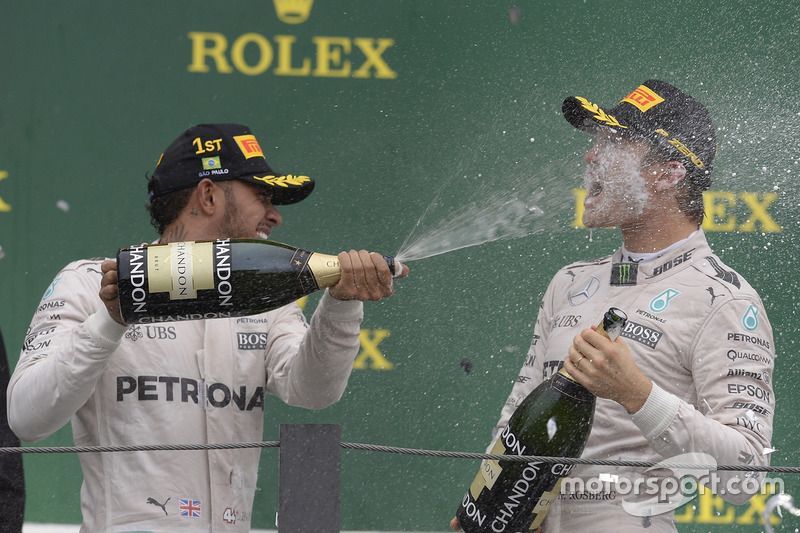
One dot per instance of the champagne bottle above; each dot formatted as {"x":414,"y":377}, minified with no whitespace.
{"x":554,"y":420}
{"x":222,"y":278}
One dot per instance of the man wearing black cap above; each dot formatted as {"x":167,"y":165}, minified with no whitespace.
{"x":690,"y":377}
{"x":191,"y":382}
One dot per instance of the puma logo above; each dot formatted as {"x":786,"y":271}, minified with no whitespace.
{"x":162,"y":505}
{"x":713,"y":296}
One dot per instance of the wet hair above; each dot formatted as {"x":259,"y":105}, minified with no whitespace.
{"x":689,"y":194}
{"x":164,"y":209}
{"x":690,"y":197}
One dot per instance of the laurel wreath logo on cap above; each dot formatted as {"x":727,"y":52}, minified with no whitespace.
{"x":599,"y":114}
{"x":283,"y":181}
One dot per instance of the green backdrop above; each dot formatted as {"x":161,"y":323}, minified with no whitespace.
{"x":396,"y":107}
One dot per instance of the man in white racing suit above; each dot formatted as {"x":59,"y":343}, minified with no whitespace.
{"x":690,"y":377}
{"x":187,"y":382}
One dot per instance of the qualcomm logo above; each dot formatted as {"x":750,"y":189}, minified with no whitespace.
{"x":660,"y":302}
{"x":293,"y":11}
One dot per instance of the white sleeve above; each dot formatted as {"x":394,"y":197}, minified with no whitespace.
{"x":732,"y":421}
{"x":309,"y":366}
{"x":64,"y":353}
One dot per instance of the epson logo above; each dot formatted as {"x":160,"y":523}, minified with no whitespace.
{"x":749,"y":389}
{"x":641,"y":334}
{"x":252,"y":341}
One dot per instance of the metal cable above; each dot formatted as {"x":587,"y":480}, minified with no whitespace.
{"x":572,"y":460}
{"x":137,"y":447}
{"x":404,"y":451}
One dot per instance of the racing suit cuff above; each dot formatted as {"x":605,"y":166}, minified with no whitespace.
{"x":104,"y":330}
{"x":657,"y":413}
{"x":341,"y":310}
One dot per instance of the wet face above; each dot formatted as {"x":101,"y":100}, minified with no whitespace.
{"x":249,"y":213}
{"x":615,"y":180}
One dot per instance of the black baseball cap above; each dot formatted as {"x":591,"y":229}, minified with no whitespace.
{"x":222,"y":152}
{"x":676,"y":123}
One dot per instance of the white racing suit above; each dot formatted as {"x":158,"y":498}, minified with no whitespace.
{"x":700,"y":333}
{"x":191,"y":382}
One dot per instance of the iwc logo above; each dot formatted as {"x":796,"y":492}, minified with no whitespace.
{"x":293,"y":11}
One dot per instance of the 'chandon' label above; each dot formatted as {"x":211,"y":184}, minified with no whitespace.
{"x":513,"y":497}
{"x":223,"y":268}
{"x":138,"y":279}
{"x":180,"y":269}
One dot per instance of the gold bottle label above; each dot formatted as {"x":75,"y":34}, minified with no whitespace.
{"x":325,"y":269}
{"x":488,"y":472}
{"x":543,"y":505}
{"x":563,"y":372}
{"x":180,"y":268}
{"x":569,"y":386}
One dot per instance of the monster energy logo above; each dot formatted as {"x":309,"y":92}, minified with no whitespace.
{"x":624,"y":273}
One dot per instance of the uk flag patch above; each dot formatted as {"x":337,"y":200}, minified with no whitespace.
{"x":190,"y":508}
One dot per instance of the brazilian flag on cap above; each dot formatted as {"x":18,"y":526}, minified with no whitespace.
{"x":210,"y":163}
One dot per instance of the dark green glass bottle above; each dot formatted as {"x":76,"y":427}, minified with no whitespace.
{"x":554,"y":420}
{"x":216,"y":279}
